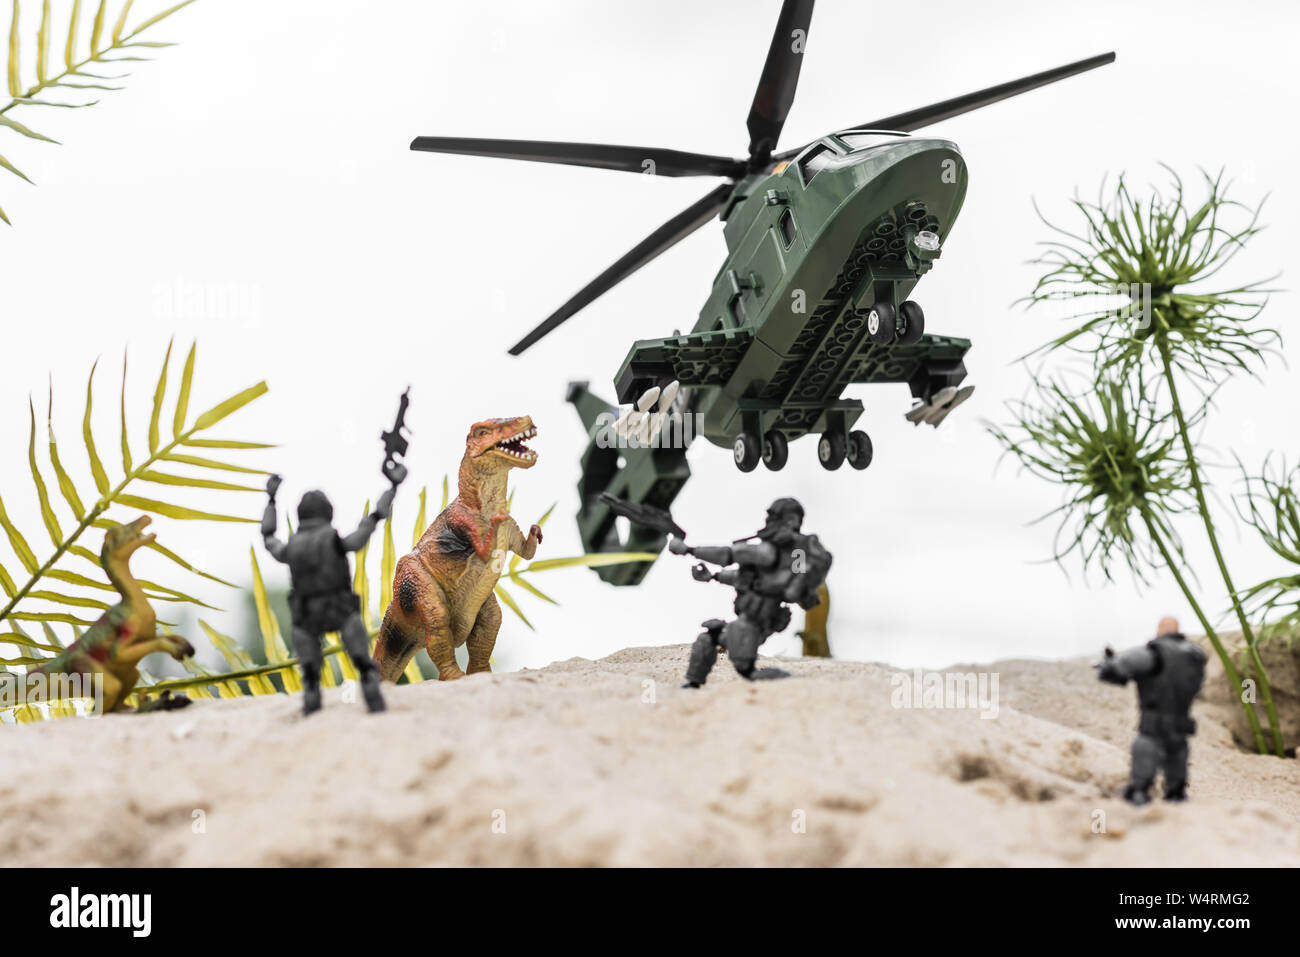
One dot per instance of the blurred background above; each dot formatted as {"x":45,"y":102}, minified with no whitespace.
{"x":253,"y":189}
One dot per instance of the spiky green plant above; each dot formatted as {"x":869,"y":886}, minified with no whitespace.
{"x":1270,"y":503}
{"x":110,"y":41}
{"x":1116,"y":458}
{"x":1165,"y":260}
{"x":1157,"y":260}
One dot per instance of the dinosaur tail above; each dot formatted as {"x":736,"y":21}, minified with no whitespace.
{"x":396,"y":645}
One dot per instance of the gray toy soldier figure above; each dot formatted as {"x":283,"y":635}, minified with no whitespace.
{"x":783,"y":566}
{"x":322,"y":599}
{"x":1169,"y":671}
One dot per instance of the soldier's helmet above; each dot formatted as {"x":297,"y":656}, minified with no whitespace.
{"x":785,"y":513}
{"x":315,"y":505}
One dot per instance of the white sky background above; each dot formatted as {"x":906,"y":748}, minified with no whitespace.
{"x":253,"y":188}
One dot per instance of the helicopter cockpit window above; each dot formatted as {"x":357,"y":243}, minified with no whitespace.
{"x":818,"y":158}
{"x":862,"y":141}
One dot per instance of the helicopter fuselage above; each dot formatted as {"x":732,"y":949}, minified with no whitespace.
{"x":812,"y":245}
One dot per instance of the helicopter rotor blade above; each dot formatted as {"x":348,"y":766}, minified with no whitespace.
{"x":663,"y":238}
{"x":780,"y":78}
{"x":946,"y":109}
{"x":632,"y":159}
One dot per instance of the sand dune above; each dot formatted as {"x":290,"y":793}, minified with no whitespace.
{"x":610,"y":763}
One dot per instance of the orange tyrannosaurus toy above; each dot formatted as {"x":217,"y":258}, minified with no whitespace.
{"x":442,"y":591}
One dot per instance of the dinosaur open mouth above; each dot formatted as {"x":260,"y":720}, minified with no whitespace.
{"x":515,"y":447}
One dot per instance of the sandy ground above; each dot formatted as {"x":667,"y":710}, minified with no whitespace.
{"x":610,"y":763}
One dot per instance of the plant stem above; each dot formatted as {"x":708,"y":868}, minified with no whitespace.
{"x":1229,"y":666}
{"x":1265,"y":689}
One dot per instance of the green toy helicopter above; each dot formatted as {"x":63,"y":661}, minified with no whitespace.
{"x":825,"y":244}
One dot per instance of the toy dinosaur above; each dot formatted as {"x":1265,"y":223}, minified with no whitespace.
{"x":113,"y":646}
{"x":442,"y":591}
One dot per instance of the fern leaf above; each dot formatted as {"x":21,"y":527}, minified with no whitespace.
{"x":212,"y":464}
{"x":160,"y":16}
{"x":126,"y":445}
{"x":97,"y":27}
{"x":70,"y":51}
{"x":228,"y":407}
{"x":15,"y":82}
{"x":23,"y":130}
{"x":160,"y":390}
{"x":76,"y":601}
{"x":66,"y":486}
{"x":530,"y":587}
{"x":509,"y":602}
{"x":17,"y":542}
{"x":183,"y":398}
{"x":168,"y":553}
{"x":421,"y":519}
{"x":387,"y":565}
{"x":272,"y":640}
{"x":237,"y":658}
{"x":22,"y":641}
{"x":361,"y":580}
{"x":224,"y":444}
{"x":180,"y":512}
{"x":43,"y":44}
{"x":594,"y":560}
{"x":96,"y":466}
{"x":121,"y":23}
{"x":42,"y":493}
{"x":162,"y":478}
{"x":13,"y":169}
{"x":7,"y":583}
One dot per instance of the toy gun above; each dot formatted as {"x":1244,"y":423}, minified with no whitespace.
{"x":395,"y":443}
{"x":1108,"y":668}
{"x":659,"y":520}
{"x":648,"y":516}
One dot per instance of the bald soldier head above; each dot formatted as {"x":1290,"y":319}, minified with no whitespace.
{"x":1168,"y":626}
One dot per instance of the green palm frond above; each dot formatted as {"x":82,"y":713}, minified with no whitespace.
{"x":69,"y":507}
{"x":105,"y":46}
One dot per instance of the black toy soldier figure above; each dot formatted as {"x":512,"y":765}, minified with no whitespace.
{"x":783,"y":566}
{"x":322,"y":599}
{"x":1169,"y":671}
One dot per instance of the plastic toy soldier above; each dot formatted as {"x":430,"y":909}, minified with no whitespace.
{"x":783,"y":566}
{"x":322,"y":599}
{"x":1169,"y":671}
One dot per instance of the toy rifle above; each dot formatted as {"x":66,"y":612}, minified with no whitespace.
{"x":395,"y":443}
{"x":648,"y":516}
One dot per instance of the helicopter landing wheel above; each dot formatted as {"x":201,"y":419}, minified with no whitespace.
{"x":912,"y":319}
{"x":859,"y":449}
{"x":747,"y":451}
{"x":882,"y":323}
{"x":831,"y":450}
{"x":776,"y":450}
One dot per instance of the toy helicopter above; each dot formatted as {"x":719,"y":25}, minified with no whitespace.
{"x":825,"y":244}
